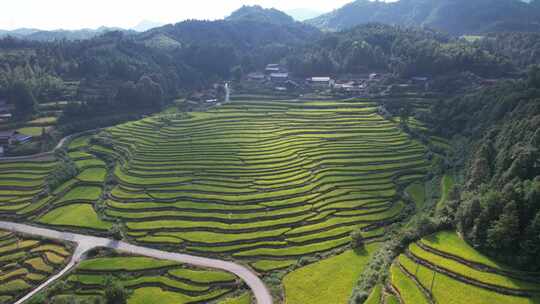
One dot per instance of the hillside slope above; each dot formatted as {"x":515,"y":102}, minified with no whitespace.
{"x":453,"y":16}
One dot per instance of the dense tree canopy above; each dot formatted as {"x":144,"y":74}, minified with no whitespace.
{"x":499,"y":206}
{"x":404,"y":51}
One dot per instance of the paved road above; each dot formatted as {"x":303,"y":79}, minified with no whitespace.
{"x":86,"y":242}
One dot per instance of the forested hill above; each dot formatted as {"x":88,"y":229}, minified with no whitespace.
{"x":40,"y":35}
{"x":260,"y":14}
{"x":453,"y":16}
{"x":403,"y":51}
{"x":171,"y":59}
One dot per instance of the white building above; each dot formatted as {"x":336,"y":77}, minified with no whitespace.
{"x":321,"y":81}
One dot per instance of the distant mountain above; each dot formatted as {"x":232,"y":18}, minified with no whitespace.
{"x":40,"y":35}
{"x":302,"y":14}
{"x":453,"y":16}
{"x":146,"y":25}
{"x":260,"y":14}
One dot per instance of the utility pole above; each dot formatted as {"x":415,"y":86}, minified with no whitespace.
{"x":432,"y":281}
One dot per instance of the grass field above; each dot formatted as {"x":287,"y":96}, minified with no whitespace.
{"x":417,"y":193}
{"x":447,"y":183}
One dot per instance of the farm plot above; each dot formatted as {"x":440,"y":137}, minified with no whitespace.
{"x":446,"y":269}
{"x":26,"y":194}
{"x":26,"y":262}
{"x":21,"y":183}
{"x":146,"y":281}
{"x":328,"y":281}
{"x":266,"y":182}
{"x":272,"y":180}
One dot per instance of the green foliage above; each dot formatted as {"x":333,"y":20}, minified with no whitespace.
{"x":498,"y":201}
{"x":115,"y":293}
{"x":259,"y":14}
{"x":357,"y":240}
{"x":22,"y":97}
{"x":404,"y":51}
{"x":64,"y":171}
{"x":145,"y":94}
{"x":503,"y":224}
{"x":534,"y":77}
{"x":116,"y":231}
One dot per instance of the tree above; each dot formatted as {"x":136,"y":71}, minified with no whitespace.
{"x":116,"y":231}
{"x":357,"y":240}
{"x":237,"y":73}
{"x":534,"y":76}
{"x":115,"y":293}
{"x":404,"y":115}
{"x":149,"y":93}
{"x":22,"y":97}
{"x":126,"y":95}
{"x":505,"y":231}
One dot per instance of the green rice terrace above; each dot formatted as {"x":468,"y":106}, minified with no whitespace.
{"x":278,"y":186}
{"x":442,"y":268}
{"x":146,"y":280}
{"x":26,"y":262}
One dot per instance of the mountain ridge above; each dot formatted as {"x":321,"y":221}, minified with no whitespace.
{"x":456,"y":17}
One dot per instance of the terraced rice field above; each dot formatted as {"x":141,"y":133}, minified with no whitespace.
{"x":24,"y":193}
{"x":445,"y":269}
{"x":149,"y":280}
{"x":266,"y":182}
{"x":27,"y":262}
{"x":21,"y":183}
{"x":272,"y":180}
{"x":328,"y":281}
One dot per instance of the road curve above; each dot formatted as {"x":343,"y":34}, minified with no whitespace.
{"x":75,"y":258}
{"x":86,"y":242}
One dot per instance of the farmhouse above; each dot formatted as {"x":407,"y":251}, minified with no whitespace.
{"x":321,"y":81}
{"x":273,"y":68}
{"x":256,"y":76}
{"x":375,"y":77}
{"x":6,"y":137}
{"x":279,"y":77}
{"x":5,"y":110}
{"x":419,"y":79}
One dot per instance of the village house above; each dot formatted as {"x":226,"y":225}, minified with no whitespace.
{"x":279,"y":77}
{"x":273,"y":68}
{"x":6,"y":137}
{"x":375,"y":77}
{"x":12,"y":137}
{"x":321,"y":82}
{"x":5,"y":111}
{"x":256,"y":76}
{"x":421,"y":82}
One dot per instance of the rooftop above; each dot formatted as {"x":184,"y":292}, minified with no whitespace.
{"x":320,"y":79}
{"x":279,"y":75}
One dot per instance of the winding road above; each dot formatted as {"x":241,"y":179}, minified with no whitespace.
{"x":86,"y":243}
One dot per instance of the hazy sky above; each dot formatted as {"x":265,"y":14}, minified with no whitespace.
{"x":73,"y":14}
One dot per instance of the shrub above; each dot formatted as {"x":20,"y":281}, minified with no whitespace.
{"x":115,"y":293}
{"x":357,"y":240}
{"x":62,"y":172}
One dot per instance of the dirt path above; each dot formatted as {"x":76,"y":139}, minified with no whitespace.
{"x":85,"y":243}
